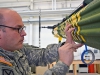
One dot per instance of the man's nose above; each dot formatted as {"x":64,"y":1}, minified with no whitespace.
{"x":23,"y":33}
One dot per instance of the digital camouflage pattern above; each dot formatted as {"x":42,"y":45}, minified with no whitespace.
{"x":31,"y":55}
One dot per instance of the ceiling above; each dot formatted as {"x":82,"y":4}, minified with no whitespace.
{"x":34,"y":8}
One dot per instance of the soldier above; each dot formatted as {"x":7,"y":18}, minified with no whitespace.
{"x":15,"y":58}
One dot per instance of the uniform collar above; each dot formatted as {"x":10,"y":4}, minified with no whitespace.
{"x":9,"y":53}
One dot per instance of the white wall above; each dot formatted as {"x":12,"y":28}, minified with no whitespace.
{"x":46,"y":36}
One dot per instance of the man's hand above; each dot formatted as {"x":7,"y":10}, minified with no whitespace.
{"x":66,"y":51}
{"x":68,"y":32}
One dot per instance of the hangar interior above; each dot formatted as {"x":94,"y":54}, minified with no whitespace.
{"x":51,"y":12}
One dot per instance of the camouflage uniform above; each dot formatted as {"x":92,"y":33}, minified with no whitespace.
{"x":18,"y":62}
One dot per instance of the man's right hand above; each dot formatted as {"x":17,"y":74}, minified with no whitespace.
{"x":66,"y":51}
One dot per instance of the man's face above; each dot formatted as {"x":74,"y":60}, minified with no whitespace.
{"x":11,"y":38}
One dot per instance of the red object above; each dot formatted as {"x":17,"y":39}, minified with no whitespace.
{"x":91,"y":68}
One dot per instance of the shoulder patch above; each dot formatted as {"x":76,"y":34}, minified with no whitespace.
{"x":7,"y":72}
{"x":2,"y":60}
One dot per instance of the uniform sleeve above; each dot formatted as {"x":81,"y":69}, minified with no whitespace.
{"x":59,"y":69}
{"x":42,"y":56}
{"x":7,"y":70}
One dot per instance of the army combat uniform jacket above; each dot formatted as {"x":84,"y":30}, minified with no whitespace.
{"x":18,"y":62}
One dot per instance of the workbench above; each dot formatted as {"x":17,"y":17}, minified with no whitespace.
{"x":77,"y":62}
